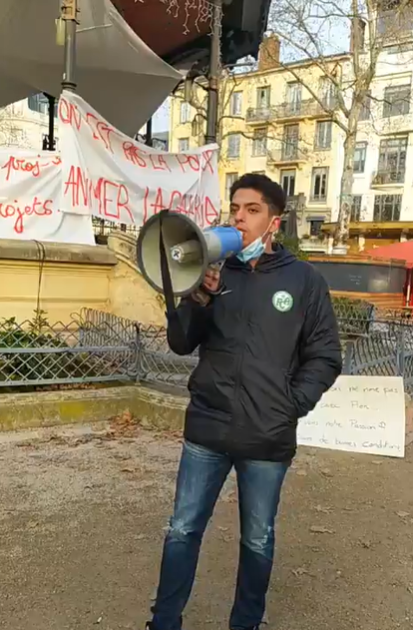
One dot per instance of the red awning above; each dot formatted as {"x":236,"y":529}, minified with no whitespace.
{"x":396,"y":251}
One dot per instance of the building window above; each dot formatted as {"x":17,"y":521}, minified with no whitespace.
{"x":183,"y":144}
{"x":396,"y":101}
{"x":39,"y":103}
{"x":158,"y":143}
{"x":315,"y":227}
{"x":387,"y":207}
{"x":234,"y":145}
{"x":263,"y":97}
{"x":392,"y":159}
{"x":355,"y":212}
{"x":323,"y":134}
{"x":230,"y":179}
{"x":259,"y":143}
{"x":288,"y":182}
{"x":16,"y":136}
{"x":236,"y":104}
{"x":360,"y":157}
{"x":290,"y":142}
{"x":394,"y":20}
{"x":365,"y":112}
{"x":185,"y":113}
{"x":294,"y":96}
{"x":319,"y":181}
{"x":327,"y":93}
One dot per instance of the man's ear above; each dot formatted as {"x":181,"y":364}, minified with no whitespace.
{"x":275,"y":225}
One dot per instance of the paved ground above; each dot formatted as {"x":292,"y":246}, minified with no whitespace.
{"x":82,"y":518}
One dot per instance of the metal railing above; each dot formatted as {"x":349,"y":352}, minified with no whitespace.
{"x":158,"y":364}
{"x":94,"y":347}
{"x":288,"y":153}
{"x":97,"y":347}
{"x":381,"y":178}
{"x":102,"y":229}
{"x":374,"y":342}
{"x":286,"y":110}
{"x":260,"y":114}
{"x":309,"y":107}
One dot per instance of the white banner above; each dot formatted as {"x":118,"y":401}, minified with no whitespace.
{"x":108,"y":175}
{"x":103,"y":173}
{"x":30,"y":190}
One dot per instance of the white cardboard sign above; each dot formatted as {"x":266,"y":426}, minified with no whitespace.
{"x":360,"y":414}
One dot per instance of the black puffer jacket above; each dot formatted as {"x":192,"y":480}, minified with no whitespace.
{"x":269,"y":348}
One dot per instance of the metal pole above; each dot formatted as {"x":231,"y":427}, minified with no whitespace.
{"x":51,"y":137}
{"x":69,"y":13}
{"x":148,"y":139}
{"x":213,"y":78}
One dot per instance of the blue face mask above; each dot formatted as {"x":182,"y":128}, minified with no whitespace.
{"x":254,"y":250}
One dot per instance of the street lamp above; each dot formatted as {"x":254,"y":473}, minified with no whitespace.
{"x":213,"y":75}
{"x":66,"y":27}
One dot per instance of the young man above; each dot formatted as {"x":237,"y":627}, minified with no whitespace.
{"x":268,"y":350}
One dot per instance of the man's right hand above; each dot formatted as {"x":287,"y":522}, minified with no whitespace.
{"x":211,"y":283}
{"x":212,"y":280}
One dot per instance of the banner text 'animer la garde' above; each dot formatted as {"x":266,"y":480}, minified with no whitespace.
{"x":110,"y":176}
{"x":100,"y":172}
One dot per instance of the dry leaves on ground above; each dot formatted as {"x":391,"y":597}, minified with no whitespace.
{"x":320,"y":529}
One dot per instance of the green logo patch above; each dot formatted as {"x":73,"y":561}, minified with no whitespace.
{"x":282,"y":301}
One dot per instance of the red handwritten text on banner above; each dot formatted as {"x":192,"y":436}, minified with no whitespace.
{"x":107,"y":174}
{"x":30,"y":192}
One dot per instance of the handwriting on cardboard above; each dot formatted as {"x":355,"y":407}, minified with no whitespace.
{"x":360,"y":414}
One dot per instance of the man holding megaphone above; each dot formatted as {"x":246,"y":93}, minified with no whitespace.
{"x":268,"y":350}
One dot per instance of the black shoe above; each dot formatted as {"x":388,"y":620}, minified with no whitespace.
{"x":150,"y":626}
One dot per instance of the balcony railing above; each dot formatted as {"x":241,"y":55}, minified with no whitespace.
{"x":293,"y":202}
{"x":301,"y":109}
{"x":288,"y":153}
{"x":383,"y":178}
{"x":309,"y":107}
{"x":260,"y":114}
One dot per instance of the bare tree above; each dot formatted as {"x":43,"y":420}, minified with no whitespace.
{"x":12,"y":134}
{"x":231,"y":82}
{"x":316,"y":30}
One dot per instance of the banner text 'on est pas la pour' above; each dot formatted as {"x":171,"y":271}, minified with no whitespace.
{"x":100,"y":172}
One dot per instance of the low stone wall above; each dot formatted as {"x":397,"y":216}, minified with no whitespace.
{"x":409,"y":420}
{"x":65,"y":278}
{"x":130,"y":296}
{"x":152,"y":408}
{"x":43,"y":409}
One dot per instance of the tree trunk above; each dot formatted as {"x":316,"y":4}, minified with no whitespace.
{"x":346,"y":187}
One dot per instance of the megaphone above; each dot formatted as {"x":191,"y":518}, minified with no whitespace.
{"x":189,"y":250}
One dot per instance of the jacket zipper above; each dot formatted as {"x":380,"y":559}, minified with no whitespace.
{"x":240,"y":358}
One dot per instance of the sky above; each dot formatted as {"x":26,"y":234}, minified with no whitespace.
{"x":161,"y":118}
{"x":333,"y":33}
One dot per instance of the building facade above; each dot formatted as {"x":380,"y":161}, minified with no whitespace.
{"x":25,"y":124}
{"x":382,"y":207}
{"x":270,"y":122}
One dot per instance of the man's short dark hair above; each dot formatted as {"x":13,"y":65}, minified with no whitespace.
{"x":271,"y":192}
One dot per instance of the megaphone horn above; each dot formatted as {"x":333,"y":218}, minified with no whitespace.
{"x":189,"y":250}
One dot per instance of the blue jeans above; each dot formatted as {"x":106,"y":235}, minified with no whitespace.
{"x":202,"y":474}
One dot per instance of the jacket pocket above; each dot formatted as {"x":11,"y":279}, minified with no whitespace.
{"x":289,"y":390}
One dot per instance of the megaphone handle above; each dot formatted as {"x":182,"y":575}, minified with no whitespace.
{"x":165,"y":273}
{"x":218,"y":265}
